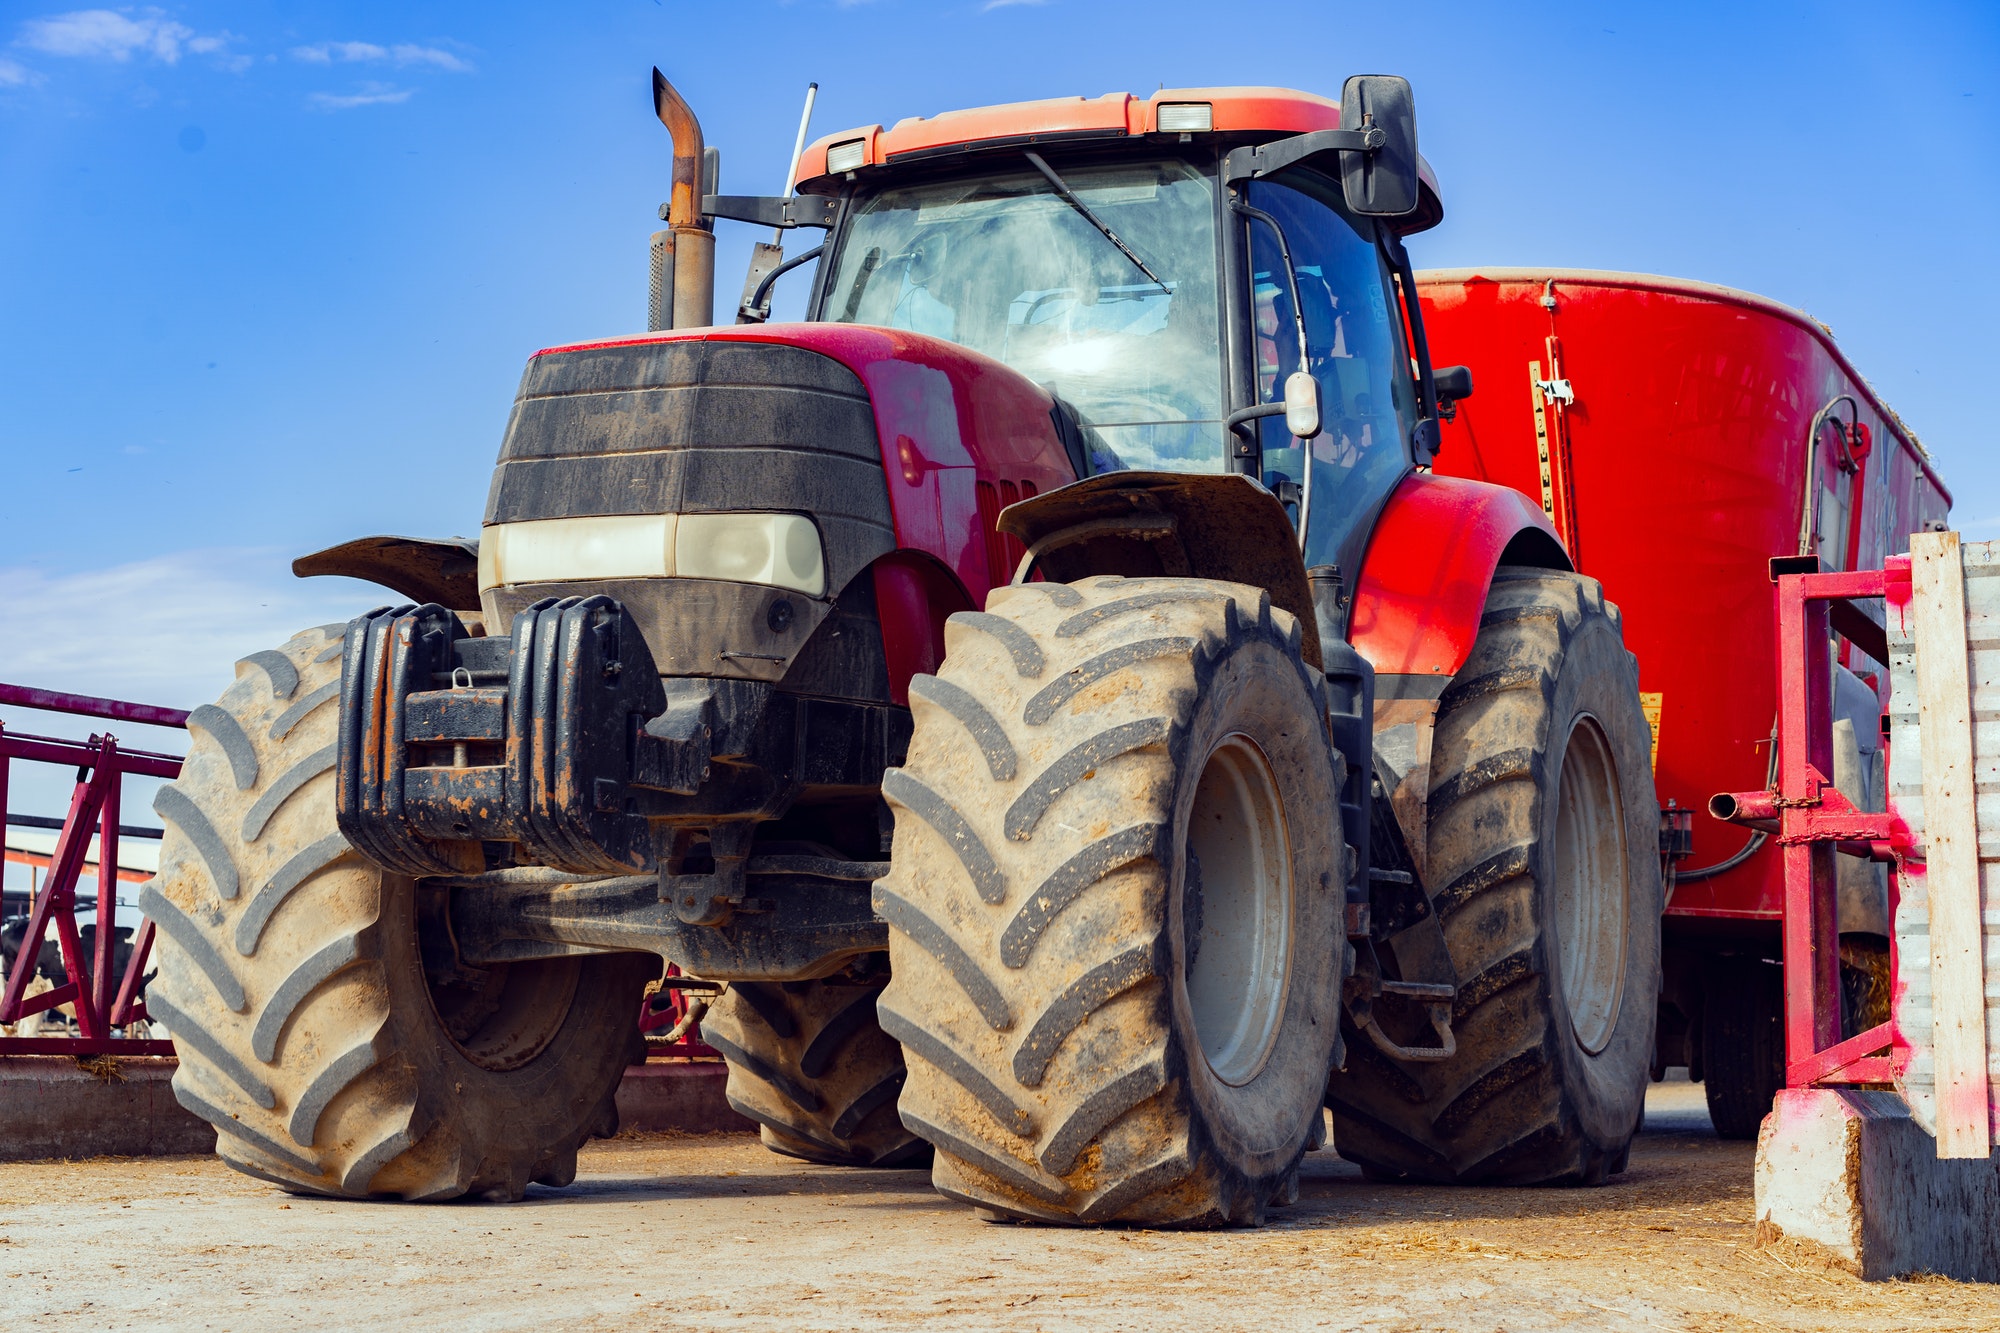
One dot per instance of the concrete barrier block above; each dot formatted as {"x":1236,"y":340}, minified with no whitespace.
{"x":49,"y":1107}
{"x":679,"y":1095}
{"x":1854,"y":1172}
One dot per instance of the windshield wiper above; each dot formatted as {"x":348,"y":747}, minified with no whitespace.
{"x":1064,"y":193}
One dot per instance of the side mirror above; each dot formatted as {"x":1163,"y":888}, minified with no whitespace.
{"x":1382,"y":182}
{"x":1302,"y":404}
{"x":1453,"y":383}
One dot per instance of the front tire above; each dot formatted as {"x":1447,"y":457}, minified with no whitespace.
{"x":1545,"y":879}
{"x":294,"y":981}
{"x":1115,"y":904}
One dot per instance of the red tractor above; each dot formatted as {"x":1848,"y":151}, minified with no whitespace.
{"x":961,"y":688}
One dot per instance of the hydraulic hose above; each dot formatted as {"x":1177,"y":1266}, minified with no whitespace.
{"x":1757,"y":836}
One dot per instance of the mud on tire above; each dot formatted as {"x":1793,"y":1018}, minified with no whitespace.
{"x":1549,"y":1079}
{"x":1098,"y":1028}
{"x":294,"y":986}
{"x":809,"y":1063}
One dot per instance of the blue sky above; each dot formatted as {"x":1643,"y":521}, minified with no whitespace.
{"x":269,"y":273}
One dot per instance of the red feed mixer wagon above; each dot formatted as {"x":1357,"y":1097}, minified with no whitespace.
{"x":1046,"y":703}
{"x":1689,"y":442}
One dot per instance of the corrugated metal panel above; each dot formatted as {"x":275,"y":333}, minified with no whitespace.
{"x":1912,"y":1002}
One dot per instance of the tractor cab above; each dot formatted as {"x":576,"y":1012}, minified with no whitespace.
{"x":1187,"y":276}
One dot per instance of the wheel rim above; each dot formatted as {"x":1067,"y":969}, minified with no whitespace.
{"x":1591,"y":886}
{"x":499,"y":1017}
{"x":1236,"y":910}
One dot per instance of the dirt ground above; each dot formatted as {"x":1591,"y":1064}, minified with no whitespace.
{"x":667,"y":1232}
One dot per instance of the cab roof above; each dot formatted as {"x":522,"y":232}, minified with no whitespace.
{"x":1239,"y":114}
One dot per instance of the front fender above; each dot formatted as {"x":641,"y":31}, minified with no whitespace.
{"x":424,"y":569}
{"x":1200,"y":525}
{"x":1423,"y":582}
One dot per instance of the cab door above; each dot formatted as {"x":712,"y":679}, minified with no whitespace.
{"x":1338,"y":284}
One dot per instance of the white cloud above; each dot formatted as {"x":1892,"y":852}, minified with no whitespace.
{"x":175,"y":624}
{"x":174,"y":628}
{"x":217,"y":47}
{"x":406,"y":54}
{"x":370,"y":94}
{"x":13,"y":75}
{"x":991,"y":5}
{"x":108,"y":35}
{"x":105,"y":34}
{"x":402,"y":54}
{"x":325,"y":53}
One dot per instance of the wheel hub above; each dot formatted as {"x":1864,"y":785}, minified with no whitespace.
{"x":1591,"y":886}
{"x":1237,"y":910}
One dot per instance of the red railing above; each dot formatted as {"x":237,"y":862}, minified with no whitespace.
{"x":105,"y":1001}
{"x":1814,"y":823}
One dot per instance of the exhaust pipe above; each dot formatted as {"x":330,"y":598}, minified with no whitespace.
{"x":683,"y":256}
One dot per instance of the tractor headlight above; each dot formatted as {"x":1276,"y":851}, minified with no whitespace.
{"x":779,"y":549}
{"x":550,"y":550}
{"x":782,"y":550}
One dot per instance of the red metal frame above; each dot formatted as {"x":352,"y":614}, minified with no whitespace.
{"x":1813,"y":822}
{"x":103,"y":1002}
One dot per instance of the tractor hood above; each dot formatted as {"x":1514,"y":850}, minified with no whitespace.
{"x":697,"y":471}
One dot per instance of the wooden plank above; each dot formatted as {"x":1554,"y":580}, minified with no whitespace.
{"x":1951,"y":839}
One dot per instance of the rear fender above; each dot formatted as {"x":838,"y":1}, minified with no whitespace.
{"x":1189,"y":525}
{"x":1423,"y":583}
{"x":423,"y":569}
{"x":1417,"y":607}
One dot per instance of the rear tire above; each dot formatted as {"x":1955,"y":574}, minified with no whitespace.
{"x":1544,"y":877}
{"x":811,"y":1065}
{"x":1097,"y":1030}
{"x":1743,"y":1043}
{"x":293,"y":980}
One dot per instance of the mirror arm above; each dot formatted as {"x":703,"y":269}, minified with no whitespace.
{"x":1239,"y":420}
{"x":780,"y":211}
{"x":759,"y":304}
{"x":1254,"y":160}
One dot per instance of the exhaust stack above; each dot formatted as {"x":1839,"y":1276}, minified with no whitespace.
{"x":683,"y":258}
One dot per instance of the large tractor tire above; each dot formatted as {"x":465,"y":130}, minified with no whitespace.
{"x":1115,"y":904}
{"x":1542,"y":860}
{"x":293,"y":980}
{"x":811,"y":1065}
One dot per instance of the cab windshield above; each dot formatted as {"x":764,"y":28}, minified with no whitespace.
{"x":1003,"y":265}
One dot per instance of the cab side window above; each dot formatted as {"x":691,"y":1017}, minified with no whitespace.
{"x":1354,"y":349}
